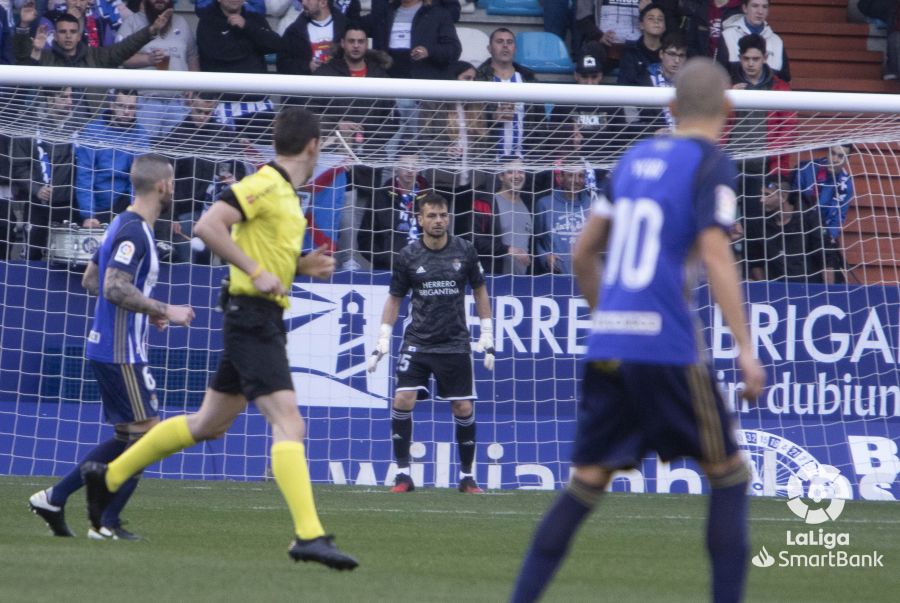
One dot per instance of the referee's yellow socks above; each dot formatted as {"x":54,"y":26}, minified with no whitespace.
{"x":292,"y":476}
{"x":168,"y":437}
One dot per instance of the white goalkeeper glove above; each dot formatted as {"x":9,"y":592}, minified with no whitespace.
{"x":382,"y":347}
{"x":486,"y":343}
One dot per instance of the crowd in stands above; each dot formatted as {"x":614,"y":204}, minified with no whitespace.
{"x":886,"y":14}
{"x":522,"y":222}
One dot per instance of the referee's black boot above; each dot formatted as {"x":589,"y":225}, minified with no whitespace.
{"x":98,"y":495}
{"x":322,"y":550}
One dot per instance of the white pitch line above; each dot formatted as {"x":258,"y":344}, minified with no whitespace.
{"x":599,"y":515}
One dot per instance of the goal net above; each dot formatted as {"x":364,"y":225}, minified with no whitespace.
{"x":816,"y":243}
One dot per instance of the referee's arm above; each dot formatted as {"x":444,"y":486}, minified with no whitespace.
{"x":318,"y":264}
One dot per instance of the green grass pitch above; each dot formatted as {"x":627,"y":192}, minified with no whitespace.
{"x":227,"y":541}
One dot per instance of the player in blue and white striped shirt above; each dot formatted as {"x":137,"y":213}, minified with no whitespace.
{"x":124,"y":269}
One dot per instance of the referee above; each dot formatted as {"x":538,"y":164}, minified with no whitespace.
{"x":437,"y":268}
{"x":266,"y":226}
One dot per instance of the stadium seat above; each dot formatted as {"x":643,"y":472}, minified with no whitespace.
{"x":519,"y":8}
{"x":543,"y":52}
{"x":474,"y":45}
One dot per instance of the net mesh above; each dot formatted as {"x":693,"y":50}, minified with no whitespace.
{"x":371,"y":131}
{"x":830,"y":348}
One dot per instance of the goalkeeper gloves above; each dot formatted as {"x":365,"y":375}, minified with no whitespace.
{"x":486,"y":343}
{"x":382,"y":347}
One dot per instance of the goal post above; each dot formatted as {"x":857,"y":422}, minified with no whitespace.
{"x":831,"y":350}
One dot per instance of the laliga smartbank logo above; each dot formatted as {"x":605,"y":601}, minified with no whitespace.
{"x":817,"y":494}
{"x":824,"y":498}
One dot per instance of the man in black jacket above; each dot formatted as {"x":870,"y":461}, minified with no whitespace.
{"x":794,"y":241}
{"x":311,"y":40}
{"x":419,"y":36}
{"x":43,"y":172}
{"x":68,"y":49}
{"x":232,"y":40}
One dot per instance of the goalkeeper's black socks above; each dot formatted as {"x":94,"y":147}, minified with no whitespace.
{"x":103,"y":452}
{"x":401,"y":435}
{"x":465,"y":440}
{"x":726,"y":534}
{"x":552,"y":538}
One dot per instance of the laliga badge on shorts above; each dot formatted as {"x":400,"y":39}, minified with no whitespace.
{"x":125,"y":252}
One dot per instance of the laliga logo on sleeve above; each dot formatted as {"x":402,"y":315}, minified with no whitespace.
{"x":823,"y":500}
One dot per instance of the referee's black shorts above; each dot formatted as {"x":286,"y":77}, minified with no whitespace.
{"x":255,"y":361}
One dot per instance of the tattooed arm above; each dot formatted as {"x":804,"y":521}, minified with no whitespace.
{"x":91,"y":278}
{"x":118,"y":288}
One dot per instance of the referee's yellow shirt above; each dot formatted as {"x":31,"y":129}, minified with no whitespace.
{"x":271,"y":232}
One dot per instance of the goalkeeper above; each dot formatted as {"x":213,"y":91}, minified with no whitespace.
{"x":437,"y":267}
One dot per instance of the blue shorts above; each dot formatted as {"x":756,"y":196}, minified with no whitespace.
{"x":628,"y":409}
{"x":128,"y":392}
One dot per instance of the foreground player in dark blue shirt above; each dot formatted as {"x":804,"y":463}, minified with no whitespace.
{"x":437,"y":269}
{"x":122,"y":273}
{"x":669,"y":202}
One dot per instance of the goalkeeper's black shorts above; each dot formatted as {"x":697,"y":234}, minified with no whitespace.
{"x":452,"y":373}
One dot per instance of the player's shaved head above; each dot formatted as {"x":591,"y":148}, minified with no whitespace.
{"x":147,"y":170}
{"x":700,"y":89}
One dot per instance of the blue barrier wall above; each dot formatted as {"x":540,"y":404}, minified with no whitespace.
{"x":831,"y":355}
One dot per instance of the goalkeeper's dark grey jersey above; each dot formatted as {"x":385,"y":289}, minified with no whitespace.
{"x":438,"y":280}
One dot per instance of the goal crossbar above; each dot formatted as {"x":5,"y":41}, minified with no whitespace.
{"x":11,"y":75}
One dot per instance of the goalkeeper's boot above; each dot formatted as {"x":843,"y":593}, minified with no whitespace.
{"x":468,"y":485}
{"x":98,"y":495}
{"x":112,"y":533}
{"x":403,"y":483}
{"x":321,"y":550}
{"x":39,"y":503}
